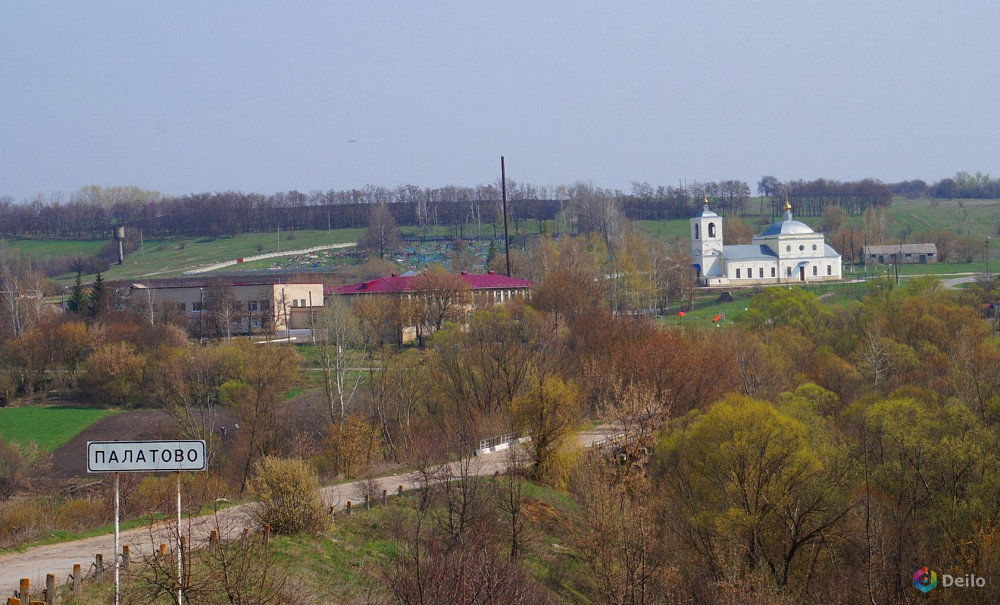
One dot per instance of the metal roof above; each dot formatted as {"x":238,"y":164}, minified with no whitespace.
{"x":748,"y":252}
{"x":907,"y":249}
{"x":401,"y":283}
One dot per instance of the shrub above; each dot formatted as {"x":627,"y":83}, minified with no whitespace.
{"x":288,"y":500}
{"x":79,"y":514}
{"x":18,"y":463}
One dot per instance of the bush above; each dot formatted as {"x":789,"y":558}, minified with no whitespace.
{"x":18,"y":463}
{"x":288,"y":500}
{"x":24,"y":519}
{"x":79,"y":514}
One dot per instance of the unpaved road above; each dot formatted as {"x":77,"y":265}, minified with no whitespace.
{"x":34,"y":563}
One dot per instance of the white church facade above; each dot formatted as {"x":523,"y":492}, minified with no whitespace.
{"x":787,"y":251}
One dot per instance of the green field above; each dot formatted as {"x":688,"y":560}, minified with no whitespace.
{"x":50,"y":248}
{"x":170,"y":258}
{"x":49,"y":427}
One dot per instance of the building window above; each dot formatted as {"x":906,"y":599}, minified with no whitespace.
{"x":761,"y":272}
{"x":801,"y":247}
{"x":696,"y":231}
{"x":737,"y":274}
{"x":237,"y":305}
{"x":788,"y":248}
{"x":789,"y":271}
{"x":829,"y":269}
{"x":265,"y":305}
{"x":197,"y":306}
{"x":295,"y":302}
{"x":814,"y":247}
{"x":711,"y":230}
{"x":182,"y":306}
{"x":302,"y":302}
{"x":815,"y":270}
{"x":772,"y":271}
{"x":252,"y":305}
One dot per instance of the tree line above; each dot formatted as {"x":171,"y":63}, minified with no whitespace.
{"x":92,"y":212}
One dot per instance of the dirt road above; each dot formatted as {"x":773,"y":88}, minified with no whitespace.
{"x":35,"y":563}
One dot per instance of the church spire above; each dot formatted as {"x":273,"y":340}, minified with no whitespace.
{"x":787,"y":208}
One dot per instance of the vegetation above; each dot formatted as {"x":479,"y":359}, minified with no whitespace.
{"x":810,"y":449}
{"x":47,"y":427}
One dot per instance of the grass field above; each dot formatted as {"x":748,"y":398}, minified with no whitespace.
{"x":170,"y":258}
{"x":49,"y":248}
{"x":49,"y":427}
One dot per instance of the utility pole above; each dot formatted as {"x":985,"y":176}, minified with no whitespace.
{"x":506,"y":235}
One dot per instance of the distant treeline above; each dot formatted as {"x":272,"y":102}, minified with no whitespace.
{"x":963,"y":185}
{"x":92,"y":212}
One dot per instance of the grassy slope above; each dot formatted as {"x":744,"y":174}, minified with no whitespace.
{"x":170,"y":258}
{"x":49,"y":427}
{"x":47,"y":248}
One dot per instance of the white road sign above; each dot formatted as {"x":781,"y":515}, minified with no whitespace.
{"x":145,"y":456}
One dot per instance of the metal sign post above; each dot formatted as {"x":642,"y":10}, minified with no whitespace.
{"x":117,"y":549}
{"x":180,"y":554}
{"x":146,"y":457}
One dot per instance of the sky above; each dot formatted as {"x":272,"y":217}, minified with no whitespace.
{"x":186,"y":97}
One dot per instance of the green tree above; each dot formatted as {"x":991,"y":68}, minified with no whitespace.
{"x":77,"y":296}
{"x":549,"y":410}
{"x":98,"y":299}
{"x":745,"y":487}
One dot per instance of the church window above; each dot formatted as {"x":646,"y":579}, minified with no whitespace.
{"x":814,"y":247}
{"x":801,"y":247}
{"x":788,"y":248}
{"x":711,"y":230}
{"x":761,"y":272}
{"x":789,"y":271}
{"x":829,"y":269}
{"x":772,"y":272}
{"x":815,"y":270}
{"x":737,"y":274}
{"x":696,"y":231}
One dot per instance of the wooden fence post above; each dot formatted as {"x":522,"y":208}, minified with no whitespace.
{"x":368,"y":501}
{"x":333,"y":513}
{"x":213,"y":540}
{"x":385,"y":496}
{"x":348,"y":508}
{"x":244,"y":535}
{"x":163,"y":550}
{"x":99,"y":568}
{"x":50,"y":589}
{"x":399,"y":492}
{"x":77,"y":580}
{"x":267,"y":533}
{"x":13,"y":601}
{"x":126,"y":556}
{"x":25,"y":591}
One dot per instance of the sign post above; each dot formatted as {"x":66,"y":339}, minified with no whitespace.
{"x":146,"y":457}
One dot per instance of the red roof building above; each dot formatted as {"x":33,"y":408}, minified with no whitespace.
{"x":405,"y":284}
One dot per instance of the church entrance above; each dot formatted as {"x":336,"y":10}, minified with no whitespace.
{"x":802,"y":273}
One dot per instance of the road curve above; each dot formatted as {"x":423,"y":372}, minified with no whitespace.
{"x":34,"y":563}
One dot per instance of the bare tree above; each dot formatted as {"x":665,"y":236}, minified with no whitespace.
{"x":337,"y":334}
{"x":382,"y":234}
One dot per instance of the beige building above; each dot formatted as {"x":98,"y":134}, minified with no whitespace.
{"x":222,"y":307}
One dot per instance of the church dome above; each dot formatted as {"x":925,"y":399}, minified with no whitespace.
{"x":788,"y":227}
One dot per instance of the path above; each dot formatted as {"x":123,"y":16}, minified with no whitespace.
{"x":247,"y":259}
{"x":34,"y":563}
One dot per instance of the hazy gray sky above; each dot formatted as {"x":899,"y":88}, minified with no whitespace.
{"x":258,"y":96}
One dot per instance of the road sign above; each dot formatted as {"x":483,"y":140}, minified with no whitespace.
{"x":145,"y":456}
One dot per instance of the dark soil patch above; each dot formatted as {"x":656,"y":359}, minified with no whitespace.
{"x":305,"y":416}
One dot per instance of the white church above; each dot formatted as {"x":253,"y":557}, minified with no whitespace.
{"x":787,"y":251}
